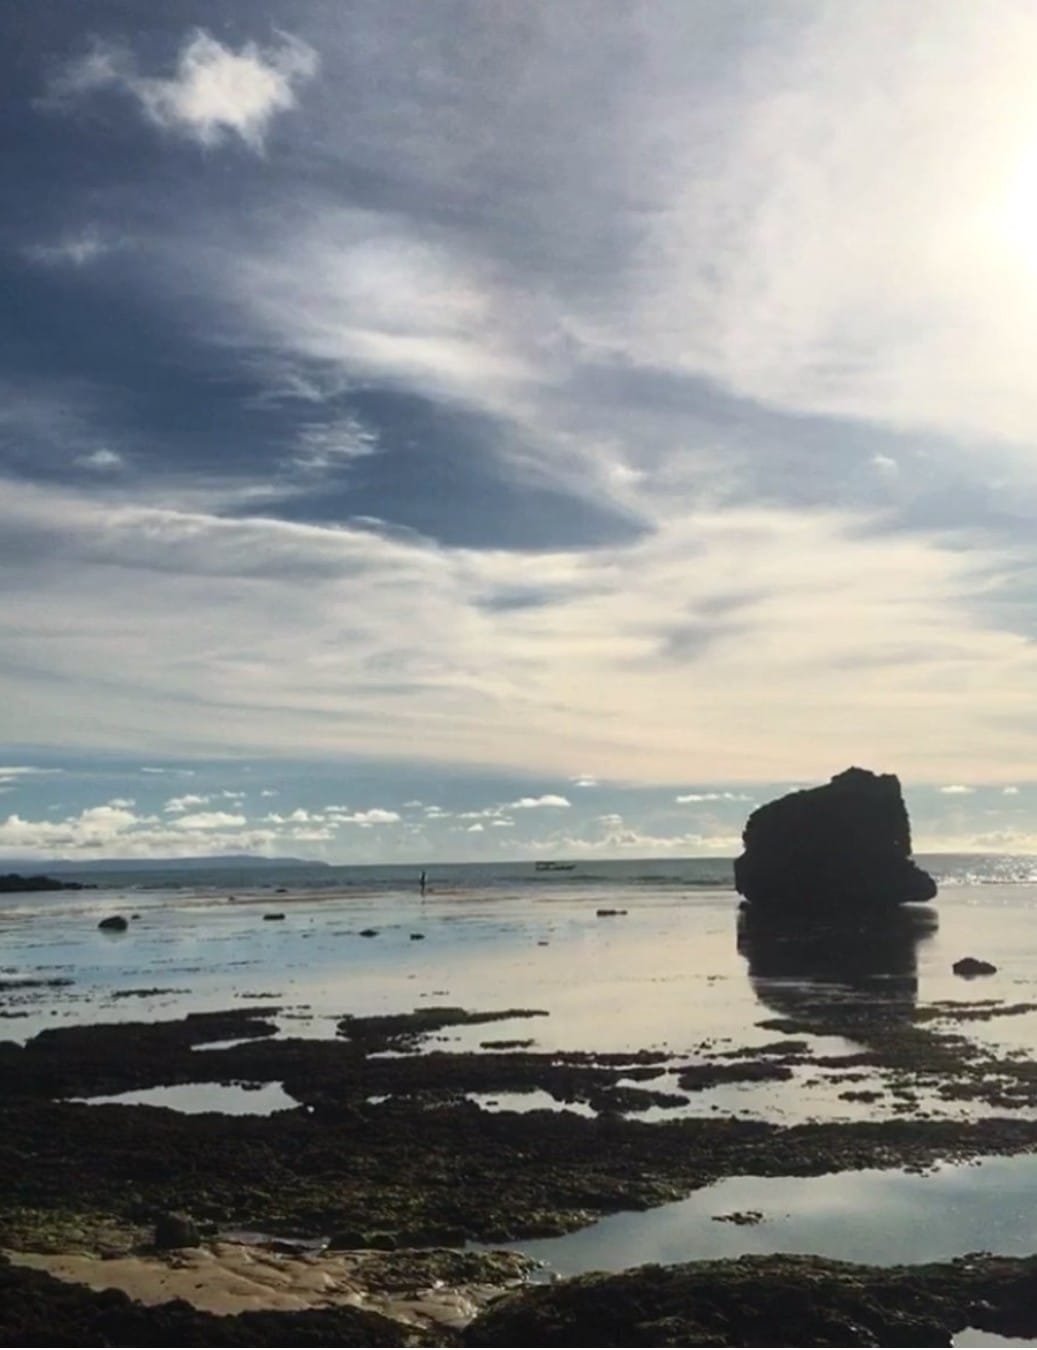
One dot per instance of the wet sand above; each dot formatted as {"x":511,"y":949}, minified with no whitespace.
{"x":226,"y":1278}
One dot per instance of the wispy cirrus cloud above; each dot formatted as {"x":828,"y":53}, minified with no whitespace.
{"x":75,"y":249}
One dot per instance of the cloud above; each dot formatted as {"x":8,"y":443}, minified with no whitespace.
{"x":686,"y":797}
{"x":584,"y":781}
{"x":385,"y":650}
{"x":534,"y":803}
{"x":321,"y":446}
{"x":208,"y":820}
{"x":375,"y":816}
{"x":215,"y":92}
{"x":103,"y":459}
{"x":12,"y":774}
{"x":185,"y":803}
{"x":95,"y":826}
{"x":613,"y":835}
{"x":885,"y":465}
{"x":73,"y":250}
{"x":956,"y":790}
{"x":1010,"y":791}
{"x":477,"y":828}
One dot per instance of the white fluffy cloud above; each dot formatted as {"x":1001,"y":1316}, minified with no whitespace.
{"x":375,"y":816}
{"x":534,"y":803}
{"x":208,"y":820}
{"x":956,"y":790}
{"x":185,"y":803}
{"x":215,"y":92}
{"x":687,"y":797}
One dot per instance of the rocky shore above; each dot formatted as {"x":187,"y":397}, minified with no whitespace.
{"x":792,"y":1301}
{"x":386,"y":1154}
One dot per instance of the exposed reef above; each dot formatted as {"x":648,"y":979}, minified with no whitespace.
{"x":776,"y":1300}
{"x":833,"y":852}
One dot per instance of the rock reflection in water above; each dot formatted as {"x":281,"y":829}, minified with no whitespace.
{"x":869,"y":962}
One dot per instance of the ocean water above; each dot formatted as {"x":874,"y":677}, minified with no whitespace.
{"x":670,"y":974}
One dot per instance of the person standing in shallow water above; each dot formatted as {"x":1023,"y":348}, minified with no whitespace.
{"x":423,"y":884}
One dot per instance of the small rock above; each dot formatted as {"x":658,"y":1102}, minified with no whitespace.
{"x":969,"y":966}
{"x":741,"y":1217}
{"x":368,"y":932}
{"x":270,"y":918}
{"x":175,"y":1230}
{"x":417,"y":937}
{"x":609,"y":913}
{"x":347,"y":1240}
{"x":115,"y":923}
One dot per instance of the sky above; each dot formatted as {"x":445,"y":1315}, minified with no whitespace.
{"x":469,"y":430}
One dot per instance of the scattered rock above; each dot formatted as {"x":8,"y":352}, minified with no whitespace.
{"x":368,"y":932}
{"x":841,"y":850}
{"x":174,"y":1230}
{"x":417,"y":937}
{"x":272,"y":918}
{"x":609,"y":913}
{"x":115,"y":923}
{"x":742,"y":1217}
{"x":970,"y":966}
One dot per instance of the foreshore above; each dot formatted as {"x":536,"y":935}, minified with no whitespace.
{"x":373,"y":1156}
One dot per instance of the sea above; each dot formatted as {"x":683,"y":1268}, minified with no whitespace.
{"x":666,"y":968}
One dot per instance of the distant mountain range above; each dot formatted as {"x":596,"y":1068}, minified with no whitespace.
{"x":64,"y":865}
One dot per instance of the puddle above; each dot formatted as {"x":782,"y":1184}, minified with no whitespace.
{"x":230,"y":1099}
{"x":973,"y":1336}
{"x":876,"y":1217}
{"x":536,"y":1099}
{"x":225,"y":1045}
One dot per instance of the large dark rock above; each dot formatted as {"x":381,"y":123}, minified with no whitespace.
{"x":842,"y":850}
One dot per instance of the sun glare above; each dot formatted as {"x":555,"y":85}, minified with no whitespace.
{"x":1018,"y":215}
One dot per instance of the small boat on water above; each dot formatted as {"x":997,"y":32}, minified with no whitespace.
{"x":555,"y":867}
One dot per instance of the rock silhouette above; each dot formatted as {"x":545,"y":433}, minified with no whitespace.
{"x":841,"y":850}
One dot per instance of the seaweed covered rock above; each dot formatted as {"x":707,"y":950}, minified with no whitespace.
{"x":837,"y":851}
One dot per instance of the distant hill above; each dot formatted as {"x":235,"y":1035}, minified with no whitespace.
{"x":152,"y":864}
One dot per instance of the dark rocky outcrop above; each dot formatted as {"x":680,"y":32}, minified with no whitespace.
{"x":14,"y":881}
{"x":775,"y":1300}
{"x":115,"y":923}
{"x":174,"y":1230}
{"x":831,"y":852}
